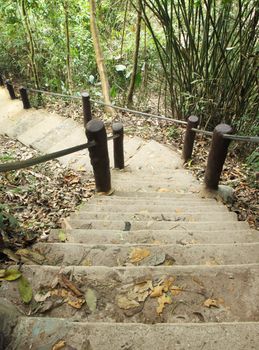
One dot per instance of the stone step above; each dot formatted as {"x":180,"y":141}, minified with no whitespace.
{"x":160,"y":194}
{"x":234,"y":289}
{"x":153,"y":156}
{"x":138,"y":186}
{"x":156,"y":225}
{"x":155,"y":197}
{"x":154,"y":237}
{"x":138,"y":215}
{"x":189,"y":202}
{"x":152,"y":209}
{"x":43,"y":333}
{"x":173,"y":254}
{"x":177,"y":178}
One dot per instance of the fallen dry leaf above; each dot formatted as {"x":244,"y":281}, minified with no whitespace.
{"x":76,"y":303}
{"x":162,"y":301}
{"x":68,"y":297}
{"x":31,"y":255}
{"x":163,"y":190}
{"x":213,"y":302}
{"x":138,"y":254}
{"x":59,"y":345}
{"x":124,"y":303}
{"x":167,"y":283}
{"x":157,"y":291}
{"x":39,"y":297}
{"x":65,"y":282}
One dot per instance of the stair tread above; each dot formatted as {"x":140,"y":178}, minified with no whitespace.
{"x":33,"y":332}
{"x":171,"y":254}
{"x":157,"y":225}
{"x":234,"y":286}
{"x":151,"y":236}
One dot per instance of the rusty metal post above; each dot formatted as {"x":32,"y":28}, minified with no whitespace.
{"x":118,"y":152}
{"x":1,"y":81}
{"x":86,"y":107}
{"x":217,"y":156}
{"x":25,"y":98}
{"x":95,"y":131}
{"x":189,"y":138}
{"x":10,"y":89}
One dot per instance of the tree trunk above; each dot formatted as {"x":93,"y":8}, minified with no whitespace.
{"x":31,"y":44}
{"x":68,"y":58}
{"x":135,"y":63}
{"x":99,"y":57}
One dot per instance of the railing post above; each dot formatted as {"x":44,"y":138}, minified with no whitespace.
{"x":217,"y":156}
{"x":95,"y":131}
{"x":1,"y":81}
{"x":118,"y":152}
{"x":25,"y":98}
{"x":189,"y":138}
{"x":86,"y":107}
{"x":10,"y":89}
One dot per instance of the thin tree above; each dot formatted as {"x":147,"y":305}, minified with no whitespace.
{"x":136,"y":54}
{"x":27,"y":26}
{"x":99,"y":57}
{"x":68,"y":54}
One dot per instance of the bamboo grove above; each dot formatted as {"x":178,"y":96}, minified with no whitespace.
{"x":179,"y":56}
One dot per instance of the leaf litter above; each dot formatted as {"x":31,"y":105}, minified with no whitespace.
{"x":163,"y":291}
{"x":35,"y":200}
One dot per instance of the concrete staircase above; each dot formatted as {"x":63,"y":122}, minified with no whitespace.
{"x":156,"y":265}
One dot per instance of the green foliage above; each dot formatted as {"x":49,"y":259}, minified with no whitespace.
{"x":253,"y":160}
{"x":206,"y":51}
{"x":209,"y":57}
{"x":172,"y":132}
{"x":7,"y":221}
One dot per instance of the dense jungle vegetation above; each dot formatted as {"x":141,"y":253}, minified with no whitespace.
{"x":176,"y":56}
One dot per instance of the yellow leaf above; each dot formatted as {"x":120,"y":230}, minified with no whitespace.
{"x":162,"y":301}
{"x":157,"y":292}
{"x":212,"y":302}
{"x":138,"y":254}
{"x":161,"y":190}
{"x":76,"y":303}
{"x":59,"y":345}
{"x":168,"y":283}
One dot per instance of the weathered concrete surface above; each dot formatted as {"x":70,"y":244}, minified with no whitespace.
{"x":43,"y":333}
{"x":8,"y":320}
{"x":181,"y":237}
{"x":49,"y":132}
{"x":176,"y":254}
{"x":157,"y":205}
{"x":235,"y":286}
